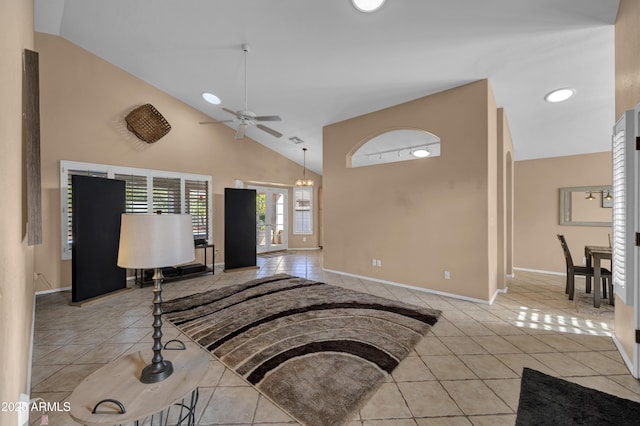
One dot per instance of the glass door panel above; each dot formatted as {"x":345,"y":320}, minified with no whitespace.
{"x":261,"y":225}
{"x":271,"y":219}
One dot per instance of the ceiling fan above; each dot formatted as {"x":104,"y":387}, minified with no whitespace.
{"x":245,"y":117}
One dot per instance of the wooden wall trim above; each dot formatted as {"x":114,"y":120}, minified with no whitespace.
{"x":32,"y":139}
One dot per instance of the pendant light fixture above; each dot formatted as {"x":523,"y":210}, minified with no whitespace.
{"x":608,"y":197}
{"x":590,"y":197}
{"x":304,"y":181}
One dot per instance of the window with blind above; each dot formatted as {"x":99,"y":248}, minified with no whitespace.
{"x":625,"y":215}
{"x":167,"y":196}
{"x":196,"y":196}
{"x":136,"y":200}
{"x":303,"y":211}
{"x":146,"y":191}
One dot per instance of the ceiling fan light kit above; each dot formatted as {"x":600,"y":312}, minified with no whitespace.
{"x":246,"y":117}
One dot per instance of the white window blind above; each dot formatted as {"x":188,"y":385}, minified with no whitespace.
{"x":196,"y":204}
{"x":167,"y":196}
{"x":303,"y":211}
{"x":624,"y":207}
{"x":136,"y":193}
{"x":146,"y":191}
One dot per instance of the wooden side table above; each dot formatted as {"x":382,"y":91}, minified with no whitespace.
{"x":116,"y":387}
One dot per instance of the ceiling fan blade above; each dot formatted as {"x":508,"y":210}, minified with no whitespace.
{"x":269,"y":130}
{"x":268,"y":118}
{"x":215,"y":122}
{"x":241,"y":131}
{"x":231,"y":112}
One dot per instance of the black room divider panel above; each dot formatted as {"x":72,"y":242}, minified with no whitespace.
{"x":239,"y":228}
{"x":97,"y":205}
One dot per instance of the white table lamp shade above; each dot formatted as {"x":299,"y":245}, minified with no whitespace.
{"x":155,"y":240}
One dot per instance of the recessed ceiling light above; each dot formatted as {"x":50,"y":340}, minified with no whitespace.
{"x":559,"y":95}
{"x":211,"y":98}
{"x":368,"y":5}
{"x":421,"y":153}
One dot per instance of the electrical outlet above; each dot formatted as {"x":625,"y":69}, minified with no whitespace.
{"x":373,"y":262}
{"x":304,"y":238}
{"x":584,"y":260}
{"x":378,"y":263}
{"x":447,"y":275}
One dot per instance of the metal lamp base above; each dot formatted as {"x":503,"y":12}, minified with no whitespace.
{"x":159,"y":369}
{"x":154,"y":373}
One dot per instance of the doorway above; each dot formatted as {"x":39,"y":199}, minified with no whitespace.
{"x":271,"y":219}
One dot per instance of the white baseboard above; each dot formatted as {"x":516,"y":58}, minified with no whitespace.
{"x":422,"y":289}
{"x":625,"y":357}
{"x":540,"y":271}
{"x":304,"y":248}
{"x":31,"y":343}
{"x":53,"y":290}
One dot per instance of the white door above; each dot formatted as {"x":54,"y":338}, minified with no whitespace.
{"x":271,"y":219}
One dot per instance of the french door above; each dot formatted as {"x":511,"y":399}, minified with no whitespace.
{"x":271,"y":219}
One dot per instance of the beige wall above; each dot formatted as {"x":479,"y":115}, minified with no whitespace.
{"x":492,"y":191}
{"x":16,"y":258}
{"x":627,"y":39}
{"x":537,"y":209}
{"x":505,"y":200}
{"x":627,"y":60}
{"x":84,"y":100}
{"x":419,"y":217}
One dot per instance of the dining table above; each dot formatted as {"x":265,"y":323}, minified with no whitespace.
{"x":596,"y":254}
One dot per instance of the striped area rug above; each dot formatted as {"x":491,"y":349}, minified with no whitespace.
{"x":317,"y":351}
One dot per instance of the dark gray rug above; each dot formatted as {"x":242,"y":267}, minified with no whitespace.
{"x":316,"y":350}
{"x":549,"y":401}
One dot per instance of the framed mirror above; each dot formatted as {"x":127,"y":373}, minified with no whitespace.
{"x":586,"y":206}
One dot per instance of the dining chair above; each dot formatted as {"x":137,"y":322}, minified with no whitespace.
{"x":584,"y":271}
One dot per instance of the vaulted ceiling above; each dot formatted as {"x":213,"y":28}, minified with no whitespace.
{"x":319,"y":62}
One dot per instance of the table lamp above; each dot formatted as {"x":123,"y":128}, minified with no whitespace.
{"x":154,"y":241}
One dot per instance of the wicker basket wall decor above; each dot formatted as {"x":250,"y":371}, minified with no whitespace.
{"x":147,"y":123}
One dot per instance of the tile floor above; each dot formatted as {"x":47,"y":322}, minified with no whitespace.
{"x":466,"y":372}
